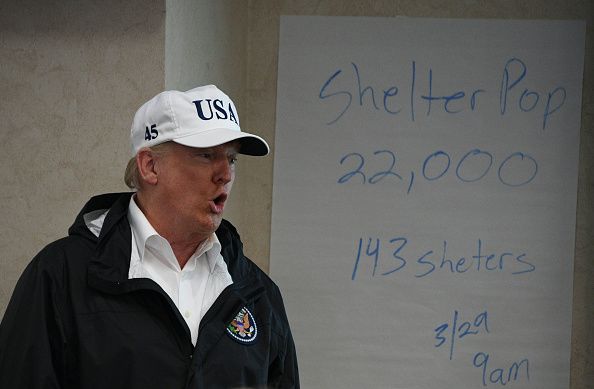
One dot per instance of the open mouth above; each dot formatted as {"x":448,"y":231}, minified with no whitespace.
{"x":218,"y":203}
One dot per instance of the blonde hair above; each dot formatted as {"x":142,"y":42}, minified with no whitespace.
{"x":132,"y":174}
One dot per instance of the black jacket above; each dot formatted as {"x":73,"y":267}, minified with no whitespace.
{"x":76,"y":321}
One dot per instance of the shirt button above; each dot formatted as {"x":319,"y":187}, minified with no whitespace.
{"x":187,"y":314}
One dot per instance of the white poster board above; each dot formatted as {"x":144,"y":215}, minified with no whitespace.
{"x":424,"y":199}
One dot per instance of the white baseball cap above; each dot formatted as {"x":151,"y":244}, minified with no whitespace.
{"x":201,"y":117}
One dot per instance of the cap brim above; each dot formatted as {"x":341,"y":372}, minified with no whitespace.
{"x":250,"y":144}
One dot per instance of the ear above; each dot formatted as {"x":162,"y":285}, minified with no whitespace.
{"x":146,"y":163}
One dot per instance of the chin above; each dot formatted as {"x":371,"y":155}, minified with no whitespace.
{"x":213,"y":223}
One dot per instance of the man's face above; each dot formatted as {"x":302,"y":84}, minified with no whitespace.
{"x":194,"y":184}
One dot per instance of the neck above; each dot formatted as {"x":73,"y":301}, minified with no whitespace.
{"x":183,"y":251}
{"x":183,"y":243}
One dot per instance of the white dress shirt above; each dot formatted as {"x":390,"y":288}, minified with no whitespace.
{"x":194,"y":288}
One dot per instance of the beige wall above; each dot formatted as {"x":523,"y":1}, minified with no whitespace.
{"x":73,"y":72}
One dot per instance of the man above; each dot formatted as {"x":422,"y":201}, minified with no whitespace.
{"x":151,"y":289}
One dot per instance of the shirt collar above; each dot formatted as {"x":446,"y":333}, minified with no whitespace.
{"x":142,"y":230}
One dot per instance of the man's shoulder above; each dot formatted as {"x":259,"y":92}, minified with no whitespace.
{"x":61,"y":252}
{"x":242,"y":267}
{"x":231,"y":245}
{"x":232,"y":251}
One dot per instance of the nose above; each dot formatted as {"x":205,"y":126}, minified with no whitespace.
{"x":224,"y":172}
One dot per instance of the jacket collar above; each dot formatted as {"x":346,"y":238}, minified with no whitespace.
{"x":108,"y":269}
{"x":115,"y":202}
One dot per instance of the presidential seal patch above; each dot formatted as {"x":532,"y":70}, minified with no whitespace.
{"x":243,"y":328}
